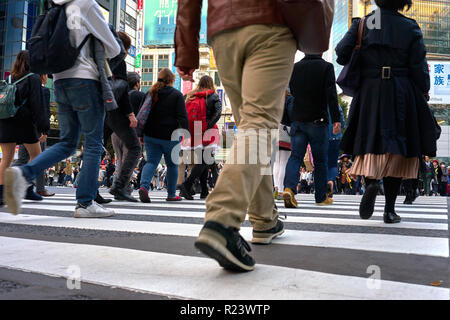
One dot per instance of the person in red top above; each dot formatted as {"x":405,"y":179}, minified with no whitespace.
{"x":203,"y":149}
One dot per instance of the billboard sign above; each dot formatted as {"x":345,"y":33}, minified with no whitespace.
{"x":160,"y":22}
{"x":440,"y":82}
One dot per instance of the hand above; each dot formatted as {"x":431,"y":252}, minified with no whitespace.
{"x":186,"y":142}
{"x":141,"y":140}
{"x":43,"y":138}
{"x":186,"y":74}
{"x":336,"y":127}
{"x":133,"y":120}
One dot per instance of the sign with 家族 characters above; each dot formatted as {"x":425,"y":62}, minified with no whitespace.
{"x":440,"y":82}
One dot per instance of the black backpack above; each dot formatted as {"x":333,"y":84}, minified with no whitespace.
{"x":49,"y":45}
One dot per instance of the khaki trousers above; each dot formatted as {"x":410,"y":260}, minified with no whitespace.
{"x":255,"y":64}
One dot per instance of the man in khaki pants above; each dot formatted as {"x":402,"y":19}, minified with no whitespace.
{"x":255,"y":53}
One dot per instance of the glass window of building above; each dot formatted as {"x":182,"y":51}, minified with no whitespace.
{"x":163,"y":61}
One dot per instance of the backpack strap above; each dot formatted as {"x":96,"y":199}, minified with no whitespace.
{"x":23,"y":78}
{"x":83,"y":43}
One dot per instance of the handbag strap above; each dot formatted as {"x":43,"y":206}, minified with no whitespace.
{"x":360,"y":33}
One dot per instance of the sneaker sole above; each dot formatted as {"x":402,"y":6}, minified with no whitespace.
{"x":268,"y":239}
{"x":144,"y":197}
{"x":215,"y":250}
{"x":81,"y":215}
{"x":9,"y":196}
{"x":288,"y":201}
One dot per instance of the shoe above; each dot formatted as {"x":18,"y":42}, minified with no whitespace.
{"x":367,"y":205}
{"x":326,"y":202}
{"x":45,"y":193}
{"x":95,"y":210}
{"x":391,"y":217}
{"x":204,"y":195}
{"x":226,"y":246}
{"x":280,"y":197}
{"x":177,"y":198}
{"x":289,"y":198}
{"x":15,"y":188}
{"x":121,"y":194}
{"x":193,"y":191}
{"x":329,"y":191}
{"x":100,"y":200}
{"x":185,"y":193}
{"x":266,"y":236}
{"x":31,"y":195}
{"x":143,"y":195}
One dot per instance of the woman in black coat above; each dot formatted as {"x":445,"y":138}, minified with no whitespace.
{"x":390,"y":123}
{"x":28,"y":125}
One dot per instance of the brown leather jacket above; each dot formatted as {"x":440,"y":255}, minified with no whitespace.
{"x":222,"y":15}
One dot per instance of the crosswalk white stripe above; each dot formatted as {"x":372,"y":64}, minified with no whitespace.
{"x":314,"y":207}
{"x":194,"y":277}
{"x":429,"y":246}
{"x":296,"y":219}
{"x":318,"y":211}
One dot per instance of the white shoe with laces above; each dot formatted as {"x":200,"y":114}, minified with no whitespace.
{"x":95,"y":210}
{"x":14,"y":189}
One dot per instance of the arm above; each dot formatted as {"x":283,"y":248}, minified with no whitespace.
{"x":181,"y":114}
{"x":98,"y":27}
{"x":46,"y":96}
{"x":187,"y":35}
{"x":418,"y":65}
{"x":331,"y":94}
{"x":289,"y":105}
{"x":345,"y":47}
{"x":36,"y":103}
{"x":217,"y":107}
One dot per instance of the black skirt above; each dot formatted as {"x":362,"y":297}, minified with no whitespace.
{"x":390,"y":116}
{"x":20,"y":129}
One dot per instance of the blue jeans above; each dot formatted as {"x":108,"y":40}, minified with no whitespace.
{"x":80,"y":110}
{"x":333,"y":155}
{"x":303,"y":133}
{"x":155,"y":148}
{"x":67,"y":178}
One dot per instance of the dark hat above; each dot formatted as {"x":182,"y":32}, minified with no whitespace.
{"x":345,"y":156}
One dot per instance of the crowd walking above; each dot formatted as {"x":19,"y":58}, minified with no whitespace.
{"x":292,"y":135}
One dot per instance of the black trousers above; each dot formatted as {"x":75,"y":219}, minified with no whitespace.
{"x":118,"y":123}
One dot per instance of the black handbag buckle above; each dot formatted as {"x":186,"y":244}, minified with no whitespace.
{"x":386,"y":73}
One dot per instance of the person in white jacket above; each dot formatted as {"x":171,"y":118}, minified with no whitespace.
{"x":80,"y":110}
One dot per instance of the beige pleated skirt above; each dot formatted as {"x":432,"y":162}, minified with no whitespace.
{"x":378,"y":166}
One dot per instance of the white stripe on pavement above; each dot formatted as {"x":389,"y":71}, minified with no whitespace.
{"x":194,"y":277}
{"x":320,"y":211}
{"x":430,"y":246}
{"x":294,"y":219}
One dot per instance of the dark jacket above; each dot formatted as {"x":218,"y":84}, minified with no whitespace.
{"x":136,"y":100}
{"x":46,"y":99}
{"x":167,"y":115}
{"x":390,"y":115}
{"x":288,"y":111}
{"x":313,"y":85}
{"x":213,"y":110}
{"x":222,"y":15}
{"x":123,"y":101}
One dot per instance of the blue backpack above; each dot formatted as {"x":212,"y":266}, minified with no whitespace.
{"x":8,"y":108}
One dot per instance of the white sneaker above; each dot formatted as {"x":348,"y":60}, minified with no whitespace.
{"x":15,"y":188}
{"x":95,"y":210}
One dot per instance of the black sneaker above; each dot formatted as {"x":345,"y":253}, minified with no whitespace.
{"x":121,"y":194}
{"x":226,"y":246}
{"x":367,"y":205}
{"x":266,"y":236}
{"x":185,"y":193}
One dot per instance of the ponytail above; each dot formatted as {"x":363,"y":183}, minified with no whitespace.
{"x":165,"y":78}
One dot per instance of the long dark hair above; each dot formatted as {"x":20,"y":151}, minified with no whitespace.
{"x":165,"y":78}
{"x":22,"y":65}
{"x":394,"y":4}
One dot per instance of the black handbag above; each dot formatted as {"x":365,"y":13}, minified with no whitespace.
{"x":350,"y":77}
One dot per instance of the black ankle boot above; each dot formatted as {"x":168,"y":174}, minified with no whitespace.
{"x":409,"y":198}
{"x":100,"y":200}
{"x":391,"y":217}
{"x":367,"y":205}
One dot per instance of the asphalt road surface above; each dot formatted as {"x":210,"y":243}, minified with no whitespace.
{"x":146,"y":251}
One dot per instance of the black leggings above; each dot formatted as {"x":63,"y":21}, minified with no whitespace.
{"x":391,"y":190}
